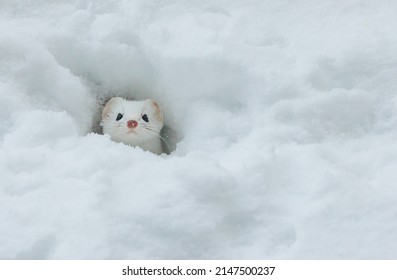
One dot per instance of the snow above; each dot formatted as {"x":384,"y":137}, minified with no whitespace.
{"x":286,"y":113}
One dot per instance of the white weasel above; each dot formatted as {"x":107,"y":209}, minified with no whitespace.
{"x":136,"y":123}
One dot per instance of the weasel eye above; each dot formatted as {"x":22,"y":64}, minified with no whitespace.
{"x":119,"y":117}
{"x":145,"y":118}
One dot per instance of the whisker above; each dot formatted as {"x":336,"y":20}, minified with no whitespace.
{"x":151,"y":129}
{"x":162,"y":138}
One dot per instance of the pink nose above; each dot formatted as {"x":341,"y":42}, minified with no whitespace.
{"x":132,"y":124}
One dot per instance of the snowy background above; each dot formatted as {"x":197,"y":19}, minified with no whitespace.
{"x":286,"y":111}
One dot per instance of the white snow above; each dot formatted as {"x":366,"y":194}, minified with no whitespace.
{"x":286,"y":110}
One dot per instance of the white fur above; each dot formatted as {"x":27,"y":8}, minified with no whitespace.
{"x":148,"y":140}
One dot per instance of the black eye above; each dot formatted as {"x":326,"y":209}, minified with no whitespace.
{"x":145,"y":118}
{"x":119,"y":117}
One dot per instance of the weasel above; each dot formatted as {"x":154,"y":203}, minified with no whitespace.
{"x":135,"y":123}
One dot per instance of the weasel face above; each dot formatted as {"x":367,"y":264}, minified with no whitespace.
{"x":132,"y":122}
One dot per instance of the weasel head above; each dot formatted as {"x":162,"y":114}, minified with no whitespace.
{"x":132,"y":122}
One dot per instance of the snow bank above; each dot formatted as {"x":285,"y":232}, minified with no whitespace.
{"x":286,"y":110}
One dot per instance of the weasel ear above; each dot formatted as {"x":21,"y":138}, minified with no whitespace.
{"x":156,"y":109}
{"x":109,"y":105}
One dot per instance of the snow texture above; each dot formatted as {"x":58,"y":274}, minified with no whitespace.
{"x":286,"y":113}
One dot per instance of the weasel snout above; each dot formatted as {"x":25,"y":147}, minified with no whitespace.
{"x":132,"y":124}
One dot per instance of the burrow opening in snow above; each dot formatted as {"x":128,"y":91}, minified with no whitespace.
{"x":198,"y":95}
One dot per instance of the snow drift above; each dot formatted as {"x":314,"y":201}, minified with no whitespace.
{"x":286,"y":113}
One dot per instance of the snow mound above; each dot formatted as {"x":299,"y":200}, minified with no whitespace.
{"x":286,"y":114}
